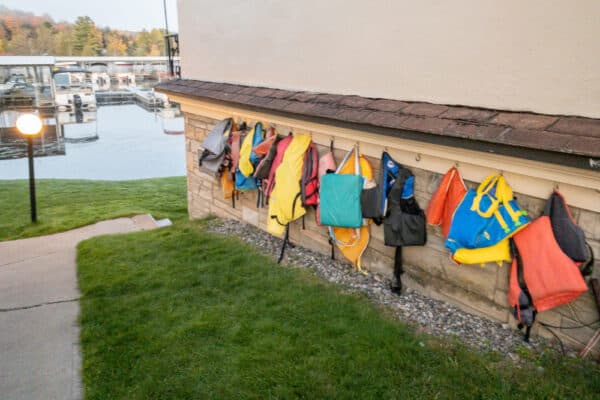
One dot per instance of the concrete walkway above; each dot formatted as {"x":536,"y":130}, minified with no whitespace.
{"x":39,"y":334}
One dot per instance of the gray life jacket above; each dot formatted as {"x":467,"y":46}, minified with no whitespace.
{"x":214,"y":146}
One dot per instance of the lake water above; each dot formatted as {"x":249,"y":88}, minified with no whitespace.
{"x":124,"y":142}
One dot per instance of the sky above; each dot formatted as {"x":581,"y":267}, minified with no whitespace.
{"x":133,"y":15}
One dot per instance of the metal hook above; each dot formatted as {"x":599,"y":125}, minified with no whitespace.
{"x":331,"y":141}
{"x":556,"y":187}
{"x":501,"y":172}
{"x":456,"y":164}
{"x":385,"y":148}
{"x":418,"y":157}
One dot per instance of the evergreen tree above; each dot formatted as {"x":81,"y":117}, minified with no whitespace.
{"x":87,"y":39}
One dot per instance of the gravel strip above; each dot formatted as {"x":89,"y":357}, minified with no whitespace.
{"x":429,"y":315}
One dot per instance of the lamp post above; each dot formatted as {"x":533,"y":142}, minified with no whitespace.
{"x":30,"y":125}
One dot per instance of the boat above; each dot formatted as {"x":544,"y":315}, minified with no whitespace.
{"x":150,"y":98}
{"x":74,"y":90}
{"x":14,"y":81}
{"x":171,"y":121}
{"x":100,"y":81}
{"x":170,"y":132}
{"x":100,"y":76}
{"x":124,"y":75}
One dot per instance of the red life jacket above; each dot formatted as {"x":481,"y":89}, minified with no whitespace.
{"x":269,"y":183}
{"x":309,"y":184}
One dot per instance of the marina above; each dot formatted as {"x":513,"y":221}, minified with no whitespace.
{"x":68,"y":83}
{"x":93,"y":109}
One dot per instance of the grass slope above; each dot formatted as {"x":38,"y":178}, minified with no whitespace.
{"x":182,"y":314}
{"x":67,"y":204}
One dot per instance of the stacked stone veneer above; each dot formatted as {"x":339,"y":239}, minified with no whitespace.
{"x":429,"y":269}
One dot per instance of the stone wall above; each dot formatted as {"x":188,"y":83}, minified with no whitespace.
{"x":429,"y":269}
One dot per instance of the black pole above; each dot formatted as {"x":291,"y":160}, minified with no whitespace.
{"x":166,"y":20}
{"x":168,"y":41}
{"x":31,"y":179}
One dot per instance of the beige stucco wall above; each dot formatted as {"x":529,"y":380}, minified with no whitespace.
{"x":538,"y":55}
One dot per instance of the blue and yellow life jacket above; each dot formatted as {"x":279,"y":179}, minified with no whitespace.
{"x":483,"y":222}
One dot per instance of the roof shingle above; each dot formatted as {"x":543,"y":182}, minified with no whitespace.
{"x":572,"y":135}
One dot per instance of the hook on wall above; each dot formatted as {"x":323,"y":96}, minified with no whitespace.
{"x":418,"y":157}
{"x":456,"y":164}
{"x":556,"y":187}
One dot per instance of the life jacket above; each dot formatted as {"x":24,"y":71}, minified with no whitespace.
{"x":284,"y":204}
{"x":484,"y":218}
{"x":542,"y":276}
{"x":248,"y":159}
{"x":327,"y":162}
{"x":235,"y":143}
{"x":352,"y":242}
{"x":374,"y":197}
{"x":263,"y":148}
{"x":327,"y":165}
{"x":445,"y":200}
{"x":280,"y":149}
{"x":227,"y":185}
{"x":309,"y":182}
{"x":214,"y":146}
{"x":340,"y":194}
{"x":569,"y":236}
{"x":404,"y":223}
{"x":264,"y":165}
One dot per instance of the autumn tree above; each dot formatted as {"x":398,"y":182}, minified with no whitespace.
{"x":115,"y":45}
{"x":23,"y":33}
{"x":44,"y":41}
{"x":21,"y":43}
{"x":149,"y":43}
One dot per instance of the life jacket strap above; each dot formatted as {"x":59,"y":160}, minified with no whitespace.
{"x":523,"y":286}
{"x":286,"y":239}
{"x":260,"y":203}
{"x":398,"y":271}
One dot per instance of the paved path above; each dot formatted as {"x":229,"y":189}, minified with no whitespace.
{"x":39,"y":334}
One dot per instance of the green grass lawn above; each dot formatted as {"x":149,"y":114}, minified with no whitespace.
{"x":179,"y":313}
{"x":67,"y":204}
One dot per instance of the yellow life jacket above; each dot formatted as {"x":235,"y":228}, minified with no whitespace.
{"x":285,"y":205}
{"x":245,"y":164}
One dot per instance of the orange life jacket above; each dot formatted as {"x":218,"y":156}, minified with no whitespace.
{"x":445,"y":200}
{"x":542,"y":276}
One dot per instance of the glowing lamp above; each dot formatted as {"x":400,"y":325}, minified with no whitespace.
{"x":29,"y":124}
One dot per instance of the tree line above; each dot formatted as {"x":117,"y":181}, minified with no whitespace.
{"x":23,"y":33}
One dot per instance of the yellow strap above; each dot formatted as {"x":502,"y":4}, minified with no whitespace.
{"x":503,"y":194}
{"x":484,"y":188}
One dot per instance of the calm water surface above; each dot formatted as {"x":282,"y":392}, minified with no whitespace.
{"x":125,"y":142}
